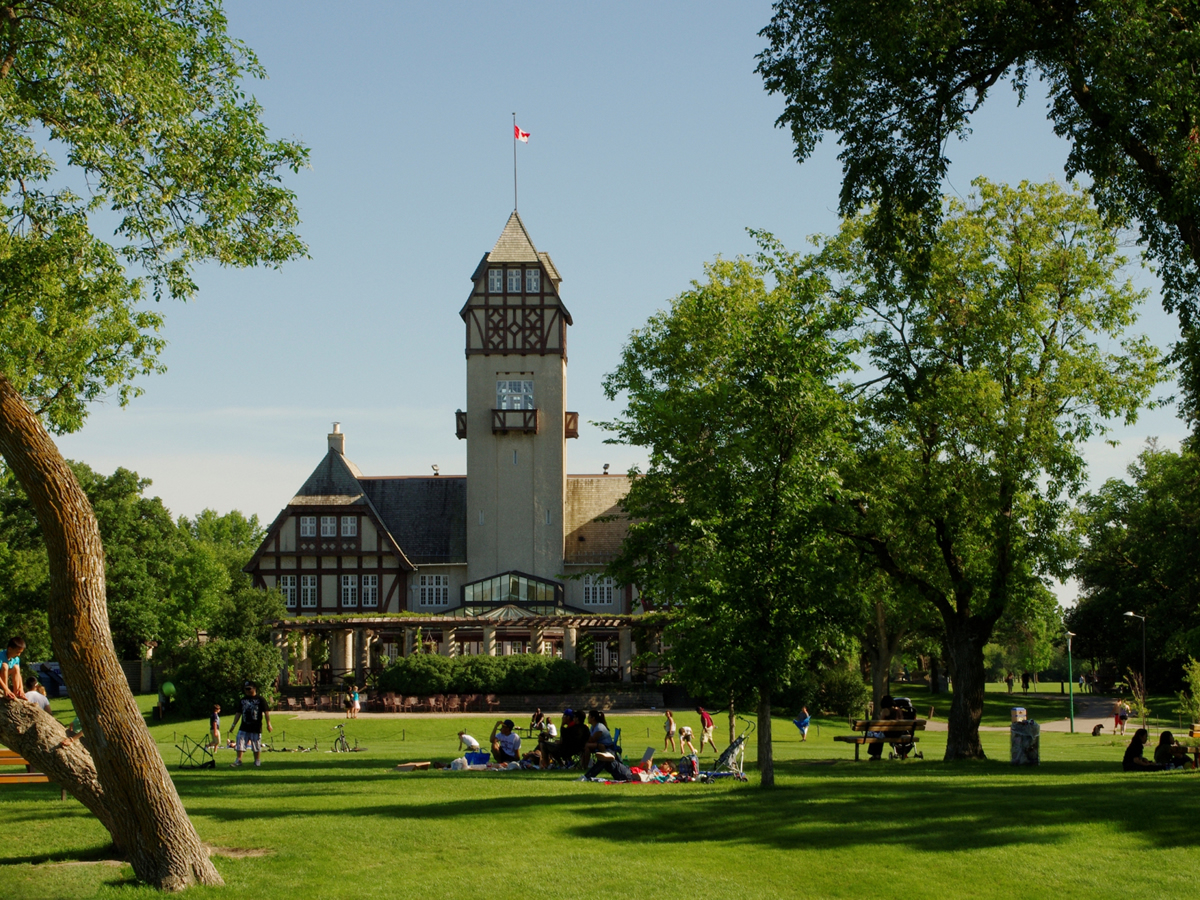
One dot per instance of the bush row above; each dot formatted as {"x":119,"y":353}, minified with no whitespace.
{"x":528,"y":673}
{"x":204,"y":674}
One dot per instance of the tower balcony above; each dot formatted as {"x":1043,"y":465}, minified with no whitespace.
{"x":522,"y":421}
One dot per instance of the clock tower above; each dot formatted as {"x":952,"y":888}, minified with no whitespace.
{"x":516,"y":421}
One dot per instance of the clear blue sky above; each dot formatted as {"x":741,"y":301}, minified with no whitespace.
{"x":653,"y":148}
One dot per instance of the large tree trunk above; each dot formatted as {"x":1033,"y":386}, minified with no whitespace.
{"x":144,"y":813}
{"x":935,"y":686}
{"x":38,"y":737}
{"x":964,"y":643}
{"x":766,"y":759}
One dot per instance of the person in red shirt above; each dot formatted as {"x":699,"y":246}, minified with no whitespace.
{"x":706,"y":729}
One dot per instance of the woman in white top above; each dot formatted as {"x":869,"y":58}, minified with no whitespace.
{"x":669,"y":727}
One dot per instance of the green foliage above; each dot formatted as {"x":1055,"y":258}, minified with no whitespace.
{"x":214,"y":672}
{"x":733,"y":393}
{"x":994,"y":362}
{"x":165,"y":582}
{"x":1189,"y":698}
{"x":526,"y":673}
{"x":843,"y":692}
{"x":144,"y":104}
{"x":247,"y":613}
{"x":1139,"y":539}
{"x":897,"y":82}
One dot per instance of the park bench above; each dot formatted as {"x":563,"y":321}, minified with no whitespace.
{"x":895,"y":731}
{"x":29,"y":776}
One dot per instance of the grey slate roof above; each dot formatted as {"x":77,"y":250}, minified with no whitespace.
{"x":427,"y":516}
{"x":334,"y":482}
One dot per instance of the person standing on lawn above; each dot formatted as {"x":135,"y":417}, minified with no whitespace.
{"x":253,"y":713}
{"x":802,"y":722}
{"x":214,"y":727}
{"x":669,"y":727}
{"x":706,"y":729}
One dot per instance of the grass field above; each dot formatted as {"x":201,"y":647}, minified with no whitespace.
{"x":315,"y":825}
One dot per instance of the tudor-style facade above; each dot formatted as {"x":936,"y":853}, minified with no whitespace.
{"x":498,"y":545}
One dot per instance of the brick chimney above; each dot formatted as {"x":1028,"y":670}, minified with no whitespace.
{"x":337,"y":440}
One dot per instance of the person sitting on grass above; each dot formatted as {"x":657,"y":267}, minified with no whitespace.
{"x":1134,"y":761}
{"x":537,"y":722}
{"x":506,"y":743}
{"x":600,"y":738}
{"x":570,"y":744}
{"x":1168,"y":754}
{"x":608,"y":762}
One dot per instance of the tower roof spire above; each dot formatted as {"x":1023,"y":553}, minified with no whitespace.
{"x":514,"y":244}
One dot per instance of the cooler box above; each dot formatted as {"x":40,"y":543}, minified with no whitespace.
{"x":1018,"y":714}
{"x":477,"y":759}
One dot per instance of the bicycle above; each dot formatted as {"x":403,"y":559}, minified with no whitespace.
{"x":340,"y":744}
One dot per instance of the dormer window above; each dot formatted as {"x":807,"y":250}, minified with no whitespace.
{"x":349,"y":526}
{"x":495,"y":281}
{"x":514,"y":395}
{"x":328,"y":526}
{"x":308,"y":526}
{"x":514,"y":281}
{"x":533,"y":281}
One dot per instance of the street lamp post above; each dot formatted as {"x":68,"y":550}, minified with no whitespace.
{"x":1071,"y":680}
{"x":1144,"y":692}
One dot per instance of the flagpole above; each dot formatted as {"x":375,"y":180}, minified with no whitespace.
{"x":514,"y":162}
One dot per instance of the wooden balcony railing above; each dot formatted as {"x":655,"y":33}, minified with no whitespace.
{"x":524,"y":421}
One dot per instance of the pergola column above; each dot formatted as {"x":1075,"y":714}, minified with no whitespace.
{"x":448,"y":646}
{"x":569,"y":637}
{"x":347,"y":642}
{"x":408,"y":641}
{"x":625,"y":653}
{"x":489,"y":640}
{"x":537,"y":637}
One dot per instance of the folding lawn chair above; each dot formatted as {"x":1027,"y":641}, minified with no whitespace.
{"x":195,"y":756}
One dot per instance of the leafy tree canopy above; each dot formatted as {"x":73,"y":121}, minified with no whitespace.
{"x":896,"y":80}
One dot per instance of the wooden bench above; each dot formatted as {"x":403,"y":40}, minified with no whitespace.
{"x":894,"y":731}
{"x":29,"y":776}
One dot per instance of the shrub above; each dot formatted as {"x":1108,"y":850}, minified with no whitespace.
{"x":528,"y":673}
{"x":843,"y":692}
{"x":204,"y":674}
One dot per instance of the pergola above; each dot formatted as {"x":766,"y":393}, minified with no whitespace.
{"x":352,"y":637}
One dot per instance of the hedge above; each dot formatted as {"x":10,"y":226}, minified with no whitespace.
{"x":527,"y":673}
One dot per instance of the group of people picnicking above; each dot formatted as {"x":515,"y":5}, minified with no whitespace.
{"x":586,"y":739}
{"x":583,"y":737}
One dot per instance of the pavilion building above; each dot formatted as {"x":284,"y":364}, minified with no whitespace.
{"x":508,"y":558}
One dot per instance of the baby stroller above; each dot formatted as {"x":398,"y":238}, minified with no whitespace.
{"x":729,"y":763}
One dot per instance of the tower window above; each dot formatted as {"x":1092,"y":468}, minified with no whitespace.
{"x":514,"y":395}
{"x":514,"y":281}
{"x":495,"y":281}
{"x":287,"y":587}
{"x":533,"y":281}
{"x":350,"y":590}
{"x":308,"y":526}
{"x":549,"y":517}
{"x":328,"y":526}
{"x":349,"y":526}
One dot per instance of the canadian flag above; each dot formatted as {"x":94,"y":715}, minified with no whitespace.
{"x":522,"y":136}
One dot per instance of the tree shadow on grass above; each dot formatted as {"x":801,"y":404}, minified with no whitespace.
{"x":96,"y":853}
{"x":931,"y":808}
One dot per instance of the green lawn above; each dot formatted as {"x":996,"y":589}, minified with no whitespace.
{"x":350,"y":826}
